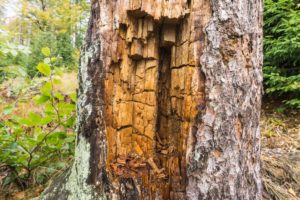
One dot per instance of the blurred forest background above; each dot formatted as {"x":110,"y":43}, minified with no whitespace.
{"x":39,"y":50}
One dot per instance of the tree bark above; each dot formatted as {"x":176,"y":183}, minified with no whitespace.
{"x":168,"y":102}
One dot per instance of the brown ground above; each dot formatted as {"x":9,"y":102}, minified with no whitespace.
{"x":281,"y":155}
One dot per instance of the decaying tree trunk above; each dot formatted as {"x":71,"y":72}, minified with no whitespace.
{"x":168,"y":103}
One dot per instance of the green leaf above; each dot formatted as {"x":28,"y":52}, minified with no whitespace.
{"x":70,"y":122}
{"x":49,"y":109}
{"x":57,"y":81}
{"x":56,"y":138}
{"x":70,"y":139}
{"x":58,"y":72}
{"x":41,"y":136}
{"x":66,"y":108}
{"x":44,"y":69}
{"x":59,"y":96}
{"x":13,"y":146}
{"x":46,"y":120}
{"x":73,"y":96}
{"x":46,"y":89}
{"x":26,"y":121}
{"x":34,"y":117}
{"x":46,"y":51}
{"x":8,"y":110}
{"x":38,"y":130}
{"x":53,"y":59}
{"x":7,"y":180}
{"x":40,"y":99}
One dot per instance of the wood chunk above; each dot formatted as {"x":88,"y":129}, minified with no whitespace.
{"x":125,"y":114}
{"x":121,"y":48}
{"x":140,"y":28}
{"x":121,"y":160}
{"x":135,"y":9}
{"x":145,"y":97}
{"x":174,"y":104}
{"x":178,"y":56}
{"x":181,"y":72}
{"x":151,"y":64}
{"x":150,"y":24}
{"x":173,"y":56}
{"x":164,"y":152}
{"x":156,"y":10}
{"x":138,"y":149}
{"x":187,"y":107}
{"x":186,"y":32}
{"x":185,"y":54}
{"x":150,"y":98}
{"x":140,"y":99}
{"x":136,"y":164}
{"x":126,"y":69}
{"x":139,"y":124}
{"x":177,"y":81}
{"x":174,"y":10}
{"x":139,"y":78}
{"x":136,"y":50}
{"x":124,"y":141}
{"x":151,"y":79}
{"x":145,"y":29}
{"x":189,"y":72}
{"x":182,"y":55}
{"x":140,"y":69}
{"x":135,"y":5}
{"x":111,"y":139}
{"x":193,"y":52}
{"x":132,"y":30}
{"x":149,"y":114}
{"x":151,"y":48}
{"x":149,"y":131}
{"x":114,"y":48}
{"x":168,"y":37}
{"x":152,"y":164}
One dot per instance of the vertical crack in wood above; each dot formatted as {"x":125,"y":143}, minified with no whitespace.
{"x":152,"y":88}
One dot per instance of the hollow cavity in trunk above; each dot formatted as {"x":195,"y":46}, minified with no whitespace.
{"x":151,"y":105}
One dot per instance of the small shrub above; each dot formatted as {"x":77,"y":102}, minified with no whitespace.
{"x":41,"y":143}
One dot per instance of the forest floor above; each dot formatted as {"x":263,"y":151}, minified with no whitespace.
{"x":280,"y":154}
{"x":280,"y":147}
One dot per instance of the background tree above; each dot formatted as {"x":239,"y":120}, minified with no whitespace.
{"x":168,"y":102}
{"x":282,"y":46}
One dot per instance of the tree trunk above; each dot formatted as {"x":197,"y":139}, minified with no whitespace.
{"x":169,"y":102}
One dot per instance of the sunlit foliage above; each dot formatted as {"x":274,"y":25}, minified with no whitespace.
{"x":58,"y":24}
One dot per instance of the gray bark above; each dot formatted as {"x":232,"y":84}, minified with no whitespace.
{"x":225,"y":161}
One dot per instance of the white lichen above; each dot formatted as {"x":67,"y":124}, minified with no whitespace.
{"x":76,"y":185}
